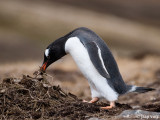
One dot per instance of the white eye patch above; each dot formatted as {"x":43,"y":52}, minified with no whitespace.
{"x":47,"y":52}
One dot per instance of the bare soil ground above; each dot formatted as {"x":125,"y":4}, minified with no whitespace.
{"x":48,"y":101}
{"x":34,"y":98}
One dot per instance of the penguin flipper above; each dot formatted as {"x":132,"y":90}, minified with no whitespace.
{"x":96,"y":58}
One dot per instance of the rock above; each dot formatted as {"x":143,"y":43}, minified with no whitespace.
{"x":136,"y":107}
{"x":138,"y":114}
{"x":95,"y":118}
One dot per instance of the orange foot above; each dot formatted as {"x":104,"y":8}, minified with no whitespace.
{"x":93,"y":100}
{"x":85,"y":101}
{"x":112,"y":104}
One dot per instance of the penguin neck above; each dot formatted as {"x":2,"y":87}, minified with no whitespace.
{"x":60,"y":45}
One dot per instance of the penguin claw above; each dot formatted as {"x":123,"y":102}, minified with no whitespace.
{"x":112,"y":105}
{"x":92,"y":101}
{"x":106,"y":108}
{"x":85,"y":101}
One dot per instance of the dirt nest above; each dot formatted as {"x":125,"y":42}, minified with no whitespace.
{"x":34,"y":98}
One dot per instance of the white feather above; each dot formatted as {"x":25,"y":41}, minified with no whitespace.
{"x":132,"y":89}
{"x":98,"y":84}
{"x":46,"y":52}
{"x":100,"y":56}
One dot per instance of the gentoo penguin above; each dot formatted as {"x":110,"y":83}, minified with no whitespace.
{"x":95,"y":61}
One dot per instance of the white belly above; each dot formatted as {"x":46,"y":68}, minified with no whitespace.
{"x":98,"y":84}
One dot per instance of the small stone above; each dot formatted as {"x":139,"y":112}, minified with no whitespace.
{"x":17,"y":80}
{"x":139,"y":114}
{"x":95,"y":118}
{"x":135,"y":107}
{"x":46,"y":85}
{"x":2,"y":91}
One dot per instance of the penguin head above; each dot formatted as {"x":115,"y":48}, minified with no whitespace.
{"x":53,"y":52}
{"x":56,"y":50}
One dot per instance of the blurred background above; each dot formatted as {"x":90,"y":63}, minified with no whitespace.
{"x":131,"y":29}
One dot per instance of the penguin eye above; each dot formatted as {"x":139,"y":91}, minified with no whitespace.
{"x":48,"y":57}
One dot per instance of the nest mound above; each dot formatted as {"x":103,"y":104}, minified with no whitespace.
{"x":34,"y":98}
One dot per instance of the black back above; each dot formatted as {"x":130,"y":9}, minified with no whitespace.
{"x":115,"y":80}
{"x":86,"y":36}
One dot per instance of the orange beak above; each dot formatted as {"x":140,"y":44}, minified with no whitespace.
{"x":43,"y":68}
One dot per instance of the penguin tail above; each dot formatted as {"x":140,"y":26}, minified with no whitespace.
{"x":139,"y":89}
